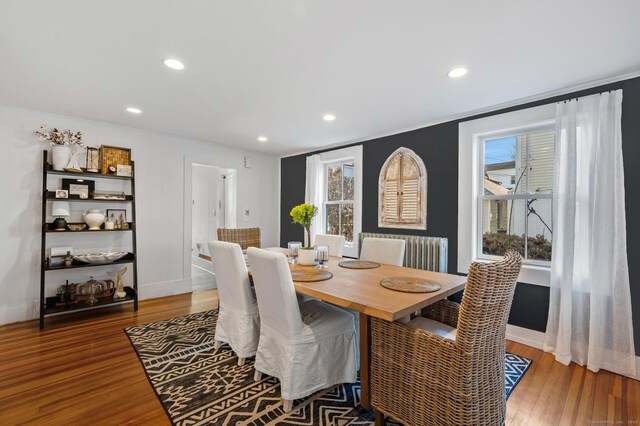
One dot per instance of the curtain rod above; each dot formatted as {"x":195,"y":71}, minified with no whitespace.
{"x":576,"y":98}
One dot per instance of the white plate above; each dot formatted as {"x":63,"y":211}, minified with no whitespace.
{"x":100,"y":257}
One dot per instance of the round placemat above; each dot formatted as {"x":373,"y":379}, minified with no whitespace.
{"x":409,"y":285}
{"x":358,"y":264}
{"x":304,"y":275}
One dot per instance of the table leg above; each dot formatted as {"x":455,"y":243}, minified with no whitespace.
{"x":379,"y":420}
{"x":365,"y":348}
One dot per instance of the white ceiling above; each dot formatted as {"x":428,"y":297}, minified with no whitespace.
{"x":275,"y":67}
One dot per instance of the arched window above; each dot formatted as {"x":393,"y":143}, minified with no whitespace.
{"x":403,"y":191}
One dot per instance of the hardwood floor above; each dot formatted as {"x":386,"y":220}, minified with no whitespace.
{"x":83,"y":370}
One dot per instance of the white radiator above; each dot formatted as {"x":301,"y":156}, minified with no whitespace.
{"x":428,"y":253}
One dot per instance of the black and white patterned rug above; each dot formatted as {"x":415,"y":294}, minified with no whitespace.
{"x":198,"y":385}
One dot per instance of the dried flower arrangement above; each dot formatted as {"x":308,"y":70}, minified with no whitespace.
{"x":58,"y":137}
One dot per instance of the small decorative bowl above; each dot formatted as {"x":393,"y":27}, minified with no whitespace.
{"x":76,"y":226}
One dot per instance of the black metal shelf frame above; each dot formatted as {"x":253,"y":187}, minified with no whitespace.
{"x":47,"y":196}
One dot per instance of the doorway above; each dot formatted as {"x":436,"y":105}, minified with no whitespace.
{"x":211,"y":204}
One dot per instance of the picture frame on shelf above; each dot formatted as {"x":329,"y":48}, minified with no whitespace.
{"x":56,"y":261}
{"x":109,"y":195}
{"x":62,"y":193}
{"x":117,"y":213}
{"x":93,"y":160}
{"x":111,"y":156}
{"x":83,"y":188}
{"x":123,"y":170}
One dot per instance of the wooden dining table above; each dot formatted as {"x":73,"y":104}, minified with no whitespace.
{"x":360,"y":291}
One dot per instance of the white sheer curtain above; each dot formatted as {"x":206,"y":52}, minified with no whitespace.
{"x":590,"y":308}
{"x":314,"y":192}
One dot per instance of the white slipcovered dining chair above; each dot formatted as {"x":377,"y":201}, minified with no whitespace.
{"x":238,"y":316}
{"x":335,"y":243}
{"x":383,"y":250}
{"x":308,"y":346}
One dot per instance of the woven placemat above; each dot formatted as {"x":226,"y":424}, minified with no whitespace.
{"x":409,"y":285}
{"x":358,"y":264}
{"x":309,"y":275}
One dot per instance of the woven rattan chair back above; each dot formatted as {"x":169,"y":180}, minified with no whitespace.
{"x":487,"y":300}
{"x":246,"y":237}
{"x":423,"y":379}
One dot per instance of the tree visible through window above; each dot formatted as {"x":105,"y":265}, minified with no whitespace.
{"x":403,"y":191}
{"x":338,"y":205}
{"x":516,"y":200}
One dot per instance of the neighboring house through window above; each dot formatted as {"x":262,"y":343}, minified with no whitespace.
{"x":516,"y":195}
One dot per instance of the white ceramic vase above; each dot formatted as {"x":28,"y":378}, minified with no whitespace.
{"x":93,"y":218}
{"x":306,"y":257}
{"x":61,"y":157}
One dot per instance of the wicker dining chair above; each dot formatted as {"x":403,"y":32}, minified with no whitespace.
{"x":246,"y":237}
{"x":421,"y":378}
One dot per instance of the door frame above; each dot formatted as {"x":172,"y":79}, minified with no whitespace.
{"x":189,"y":161}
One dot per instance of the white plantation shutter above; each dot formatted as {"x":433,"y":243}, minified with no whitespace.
{"x":409,"y":200}
{"x":391,"y":200}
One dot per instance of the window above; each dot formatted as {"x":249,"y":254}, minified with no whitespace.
{"x":334,"y":184}
{"x":403,"y":191}
{"x":515,"y":197}
{"x":473,"y":136}
{"x":338,"y":200}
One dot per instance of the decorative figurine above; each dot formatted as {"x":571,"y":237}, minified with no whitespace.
{"x":119,"y":292}
{"x":68,"y":259}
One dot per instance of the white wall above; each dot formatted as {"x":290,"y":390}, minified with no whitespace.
{"x":159,"y":162}
{"x":205,"y":206}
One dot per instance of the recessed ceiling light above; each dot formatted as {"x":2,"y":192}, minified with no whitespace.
{"x":457,"y":72}
{"x":134,"y":110}
{"x":174,"y":64}
{"x":328,"y":117}
{"x":262,"y":139}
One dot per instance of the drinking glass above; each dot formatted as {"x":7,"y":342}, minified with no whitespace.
{"x":322,"y":253}
{"x":293,"y":246}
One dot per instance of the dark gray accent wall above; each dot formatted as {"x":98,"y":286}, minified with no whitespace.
{"x":438,"y":147}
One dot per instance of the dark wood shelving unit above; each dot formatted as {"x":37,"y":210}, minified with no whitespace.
{"x":53,"y":309}
{"x":129,"y":258}
{"x":48,"y":305}
{"x":51,"y":196}
{"x":95,"y":231}
{"x":50,"y":171}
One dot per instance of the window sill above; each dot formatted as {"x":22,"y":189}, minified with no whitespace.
{"x":529,"y":274}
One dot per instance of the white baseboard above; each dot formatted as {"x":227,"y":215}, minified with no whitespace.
{"x":528,"y":337}
{"x":535,"y":339}
{"x":24,"y":311}
{"x":29,"y":310}
{"x":202,"y":263}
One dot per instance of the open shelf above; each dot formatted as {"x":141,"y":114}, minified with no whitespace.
{"x":51,"y":196}
{"x":52,"y":309}
{"x":67,"y":231}
{"x":129,"y":258}
{"x":85,"y":174}
{"x":48,"y":304}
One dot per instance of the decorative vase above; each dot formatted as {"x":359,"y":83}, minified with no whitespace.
{"x":61,"y":157}
{"x":307,"y":256}
{"x":94,"y":218}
